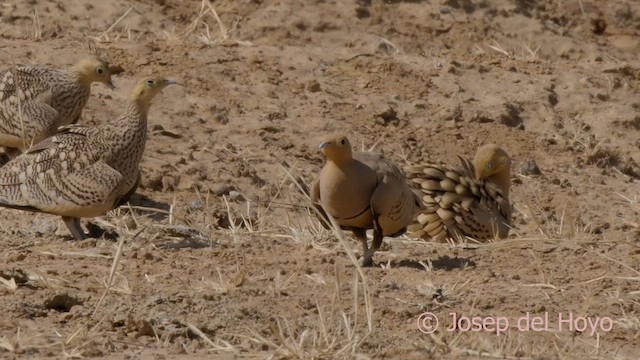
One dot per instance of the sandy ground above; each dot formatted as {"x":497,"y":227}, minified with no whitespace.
{"x":220,"y":256}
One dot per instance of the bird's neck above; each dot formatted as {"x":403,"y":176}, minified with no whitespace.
{"x":80,"y":76}
{"x":128,"y":134}
{"x":502,"y":180}
{"x":138,"y":107}
{"x":133,"y":118}
{"x":341,"y":161}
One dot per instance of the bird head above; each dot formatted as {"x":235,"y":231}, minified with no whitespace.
{"x":490,"y":160}
{"x":336,"y":148}
{"x":94,"y":69}
{"x":149,"y":87}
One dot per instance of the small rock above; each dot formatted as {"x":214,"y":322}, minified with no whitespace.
{"x":312,"y":86}
{"x":362,"y":12}
{"x":186,"y":183}
{"x":141,"y":327}
{"x":92,"y":352}
{"x":61,"y":302}
{"x":530,"y":168}
{"x":388,"y":115}
{"x":599,"y":26}
{"x":235,"y":196}
{"x":116,"y":69}
{"x":168,"y":183}
{"x":152,"y":182}
{"x":196,"y":205}
{"x":386,"y":47}
{"x":44,"y":226}
{"x":141,"y":62}
{"x":8,"y":19}
{"x":21,"y":256}
{"x":159,"y":129}
{"x":220,"y":189}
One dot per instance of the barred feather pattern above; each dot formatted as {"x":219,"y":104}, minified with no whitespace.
{"x":20,"y":86}
{"x":457,"y":204}
{"x":79,"y":172}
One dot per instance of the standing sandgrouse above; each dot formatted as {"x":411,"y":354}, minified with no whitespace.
{"x":83,"y":171}
{"x":363,"y":190}
{"x":36,"y":99}
{"x":471,"y":200}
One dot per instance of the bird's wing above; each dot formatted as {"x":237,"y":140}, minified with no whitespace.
{"x":23,"y":83}
{"x":456,"y":204}
{"x":25,"y":105}
{"x":393,"y":202}
{"x":64,"y":174}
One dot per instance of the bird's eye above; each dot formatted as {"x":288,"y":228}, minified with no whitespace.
{"x":99,"y":71}
{"x":490,"y":165}
{"x":150,"y":82}
{"x":343,"y":141}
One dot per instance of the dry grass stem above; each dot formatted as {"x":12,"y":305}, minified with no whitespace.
{"x":104,"y":37}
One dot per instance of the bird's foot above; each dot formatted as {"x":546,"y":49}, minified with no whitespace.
{"x":367,"y":258}
{"x":73,"y":224}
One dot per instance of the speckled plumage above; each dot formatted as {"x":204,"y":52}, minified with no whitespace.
{"x":469,"y":200}
{"x":83,"y":171}
{"x":68,"y":91}
{"x":363,"y":190}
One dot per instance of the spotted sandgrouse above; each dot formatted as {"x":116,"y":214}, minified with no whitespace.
{"x":83,"y":171}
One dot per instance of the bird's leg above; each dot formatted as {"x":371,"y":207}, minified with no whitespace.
{"x":73,"y":224}
{"x":361,"y":234}
{"x":367,"y":257}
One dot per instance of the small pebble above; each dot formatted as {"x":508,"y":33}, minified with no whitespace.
{"x":530,"y":168}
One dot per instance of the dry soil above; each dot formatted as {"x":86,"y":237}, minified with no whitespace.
{"x":221,"y":257}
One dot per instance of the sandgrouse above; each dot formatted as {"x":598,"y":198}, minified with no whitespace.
{"x":36,"y":99}
{"x":471,"y":200}
{"x":83,"y":171}
{"x":363,"y":190}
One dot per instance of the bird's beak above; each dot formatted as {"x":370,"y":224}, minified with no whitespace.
{"x":110,"y":85}
{"x":324,"y":145}
{"x":171,"y":82}
{"x":479,"y":174}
